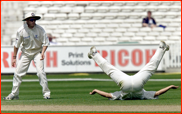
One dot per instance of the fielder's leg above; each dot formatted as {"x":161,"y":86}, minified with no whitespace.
{"x":115,"y":74}
{"x":42,"y":75}
{"x":150,"y":68}
{"x":21,"y":70}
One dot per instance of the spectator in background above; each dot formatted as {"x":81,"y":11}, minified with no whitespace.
{"x":149,"y":21}
{"x":51,"y":38}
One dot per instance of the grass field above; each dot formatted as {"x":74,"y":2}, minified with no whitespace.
{"x":76,"y":93}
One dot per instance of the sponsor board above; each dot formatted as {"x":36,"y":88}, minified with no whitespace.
{"x":65,"y":59}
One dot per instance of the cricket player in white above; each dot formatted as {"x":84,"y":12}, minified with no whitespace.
{"x":34,"y":44}
{"x":131,"y":86}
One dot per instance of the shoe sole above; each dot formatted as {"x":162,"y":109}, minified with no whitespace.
{"x":92,"y":48}
{"x":89,"y":55}
{"x":167,"y":46}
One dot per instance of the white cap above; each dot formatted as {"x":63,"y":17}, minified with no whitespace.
{"x":31,"y":14}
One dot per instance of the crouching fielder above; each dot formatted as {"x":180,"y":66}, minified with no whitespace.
{"x":131,"y":86}
{"x":34,"y":43}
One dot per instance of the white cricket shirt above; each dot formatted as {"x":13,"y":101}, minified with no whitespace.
{"x":120,"y":95}
{"x":32,"y":40}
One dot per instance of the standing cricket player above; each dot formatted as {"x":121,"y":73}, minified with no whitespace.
{"x":131,"y":86}
{"x":34,"y":44}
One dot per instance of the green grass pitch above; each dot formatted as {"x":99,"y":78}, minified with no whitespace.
{"x":77,"y":92}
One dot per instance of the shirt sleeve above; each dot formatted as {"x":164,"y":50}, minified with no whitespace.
{"x":154,"y":21}
{"x":149,"y":95}
{"x":45,"y":39}
{"x":144,"y":20}
{"x":18,"y":40}
{"x":116,"y":95}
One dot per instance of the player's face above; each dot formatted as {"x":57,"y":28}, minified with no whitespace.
{"x":31,"y":22}
{"x":149,"y":14}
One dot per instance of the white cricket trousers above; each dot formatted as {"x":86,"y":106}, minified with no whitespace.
{"x":22,"y":68}
{"x":133,"y":83}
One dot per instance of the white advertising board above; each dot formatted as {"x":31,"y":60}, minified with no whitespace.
{"x":65,"y":59}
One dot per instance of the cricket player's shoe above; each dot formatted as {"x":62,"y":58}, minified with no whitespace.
{"x":47,"y":97}
{"x":164,"y":46}
{"x":11,"y":97}
{"x":92,"y":52}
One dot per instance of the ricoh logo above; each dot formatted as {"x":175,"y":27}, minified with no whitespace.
{"x":123,"y":57}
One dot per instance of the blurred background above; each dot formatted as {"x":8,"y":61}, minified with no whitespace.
{"x":78,"y":25}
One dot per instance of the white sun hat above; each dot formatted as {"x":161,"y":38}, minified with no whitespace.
{"x":31,"y":15}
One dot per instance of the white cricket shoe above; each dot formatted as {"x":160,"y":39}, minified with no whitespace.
{"x":164,"y":46}
{"x":92,"y":52}
{"x":11,"y":97}
{"x":47,"y":97}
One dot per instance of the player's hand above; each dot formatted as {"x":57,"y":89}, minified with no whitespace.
{"x":42,"y":57}
{"x":174,"y":87}
{"x":14,"y":62}
{"x":93,"y":92}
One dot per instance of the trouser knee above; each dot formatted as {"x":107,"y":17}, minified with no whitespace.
{"x":42,"y":77}
{"x":41,"y":73}
{"x":17,"y":79}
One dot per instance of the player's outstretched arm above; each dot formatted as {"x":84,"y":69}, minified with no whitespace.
{"x":162,"y":91}
{"x":102,"y":93}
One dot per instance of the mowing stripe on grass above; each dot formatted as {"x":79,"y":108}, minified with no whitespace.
{"x":82,"y":79}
